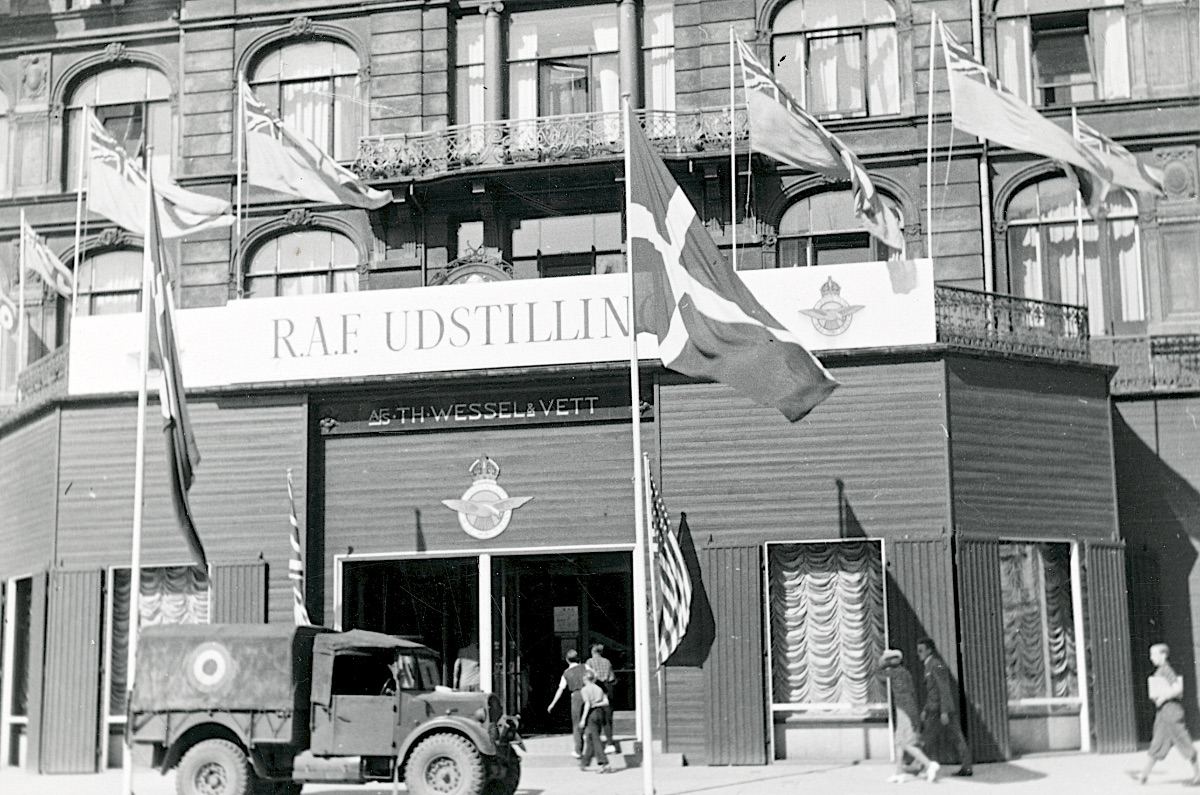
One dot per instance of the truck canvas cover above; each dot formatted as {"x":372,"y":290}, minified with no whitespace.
{"x":228,"y":667}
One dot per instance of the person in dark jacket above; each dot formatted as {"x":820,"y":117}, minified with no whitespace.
{"x":1166,"y":691}
{"x":940,"y":714}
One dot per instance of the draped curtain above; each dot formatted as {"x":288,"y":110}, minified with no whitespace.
{"x":827,"y":623}
{"x":169,"y":595}
{"x":1039,"y":621}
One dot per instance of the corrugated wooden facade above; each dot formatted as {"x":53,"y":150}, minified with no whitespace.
{"x":981,"y":646}
{"x":239,"y":499}
{"x":28,"y":482}
{"x":239,"y":593}
{"x":383,"y":492}
{"x":737,"y":718}
{"x":685,"y":713}
{"x":1030,"y":448}
{"x":70,"y":711}
{"x":921,"y":599}
{"x":1108,"y":622}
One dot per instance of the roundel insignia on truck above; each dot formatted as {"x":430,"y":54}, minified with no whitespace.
{"x":210,"y":667}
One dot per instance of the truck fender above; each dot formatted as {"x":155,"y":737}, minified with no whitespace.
{"x":469,"y":729}
{"x":197,"y":727}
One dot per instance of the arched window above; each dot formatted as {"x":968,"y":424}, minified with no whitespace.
{"x":110,"y":282}
{"x":314,"y":87}
{"x":310,"y":262}
{"x":838,"y":57}
{"x":822,"y":229}
{"x":1044,"y":254}
{"x":134,"y":105}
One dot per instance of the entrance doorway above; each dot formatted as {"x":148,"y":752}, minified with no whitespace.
{"x":544,"y":605}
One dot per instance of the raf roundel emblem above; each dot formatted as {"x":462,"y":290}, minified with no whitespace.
{"x":210,"y":667}
{"x":485,"y":508}
{"x":831,"y":315}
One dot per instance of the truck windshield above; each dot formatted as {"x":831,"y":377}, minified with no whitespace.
{"x":418,"y":673}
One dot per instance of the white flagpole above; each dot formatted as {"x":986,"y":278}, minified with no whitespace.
{"x":640,"y":607}
{"x":85,"y":136}
{"x":933,"y":19}
{"x":1080,"y":279}
{"x":23,"y":327}
{"x":733,"y":221}
{"x":240,"y":128}
{"x":139,"y":481}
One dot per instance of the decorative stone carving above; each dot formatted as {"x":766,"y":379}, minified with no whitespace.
{"x":116,"y":51}
{"x":493,"y":7}
{"x":299,"y":217}
{"x":301,"y":26}
{"x":328,"y":424}
{"x":1179,"y":171}
{"x":35,"y":77}
{"x":999,"y":227}
{"x":113,"y":237}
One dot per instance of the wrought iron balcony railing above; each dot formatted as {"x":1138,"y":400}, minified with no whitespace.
{"x":44,"y":379}
{"x":1160,"y":364}
{"x":1007,"y":324}
{"x":581,"y":136}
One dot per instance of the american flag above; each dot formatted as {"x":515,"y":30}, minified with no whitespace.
{"x":673,"y":577}
{"x":296,"y":562}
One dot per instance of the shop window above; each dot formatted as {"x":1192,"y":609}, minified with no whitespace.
{"x":827,"y":627}
{"x":1047,"y":260}
{"x":134,"y":105}
{"x":563,"y":61}
{"x":838,"y":58}
{"x":822,"y":229}
{"x":167,"y":595}
{"x":658,"y":55}
{"x":569,"y":245}
{"x":110,"y":283}
{"x":311,"y":262}
{"x":1039,"y":623}
{"x":314,"y":87}
{"x":14,"y":675}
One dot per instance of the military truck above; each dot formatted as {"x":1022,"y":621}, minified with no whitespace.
{"x":263,"y":709}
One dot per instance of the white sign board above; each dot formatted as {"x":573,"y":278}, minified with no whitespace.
{"x":536,"y":322}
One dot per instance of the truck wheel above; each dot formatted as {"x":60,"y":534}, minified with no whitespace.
{"x":444,"y":764}
{"x":213,"y":767}
{"x":506,"y":784}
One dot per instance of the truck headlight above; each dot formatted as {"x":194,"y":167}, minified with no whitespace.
{"x":481,"y":714}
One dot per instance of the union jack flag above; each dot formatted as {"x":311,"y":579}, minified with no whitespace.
{"x":673,"y":577}
{"x":296,"y":562}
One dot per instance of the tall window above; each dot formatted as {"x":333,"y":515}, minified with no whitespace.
{"x":134,"y":105}
{"x":310,"y":262}
{"x":658,"y":54}
{"x":1047,"y":260}
{"x":563,"y":60}
{"x":110,"y":283}
{"x":569,"y":245}
{"x":827,"y":623}
{"x":822,"y":229}
{"x":314,"y":86}
{"x":469,"y":96}
{"x":1039,"y":622}
{"x":839,"y":57}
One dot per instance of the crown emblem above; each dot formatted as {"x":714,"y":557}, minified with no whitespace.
{"x":484,"y":469}
{"x":831,"y":315}
{"x":830,"y":287}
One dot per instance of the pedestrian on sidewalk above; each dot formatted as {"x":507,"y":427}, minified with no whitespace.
{"x":594,"y":702}
{"x":1166,"y":691}
{"x":940,"y":715}
{"x":605,"y":678}
{"x":572,"y":681}
{"x":905,"y":716}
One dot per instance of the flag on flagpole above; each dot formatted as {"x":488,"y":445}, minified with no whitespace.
{"x":116,"y":189}
{"x":708,"y":323}
{"x":182,"y":453}
{"x":782,"y":129}
{"x":673,"y":577}
{"x":41,"y":260}
{"x":979,"y":105}
{"x":283,"y":160}
{"x":8,"y":312}
{"x":1127,"y":170}
{"x":296,"y":562}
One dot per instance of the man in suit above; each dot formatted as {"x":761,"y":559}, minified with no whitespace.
{"x":940,"y":714}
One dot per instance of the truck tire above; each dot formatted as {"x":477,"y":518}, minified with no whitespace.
{"x":444,"y":764}
{"x":213,"y":767}
{"x":505,"y":784}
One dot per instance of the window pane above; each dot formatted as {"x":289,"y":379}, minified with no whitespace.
{"x":840,"y":249}
{"x":345,"y":281}
{"x":564,"y":87}
{"x":345,"y":253}
{"x":883,"y":72}
{"x":114,"y":303}
{"x":1127,"y":260}
{"x":1112,"y":55}
{"x":835,"y":74}
{"x":659,"y":24}
{"x":660,"y":78}
{"x":832,"y":210}
{"x":606,"y":85}
{"x":468,"y":33}
{"x":308,"y":284}
{"x":1024,"y":264}
{"x":347,"y":118}
{"x":470,"y":237}
{"x":469,"y":95}
{"x":307,"y":60}
{"x":1012,"y":45}
{"x":1062,"y":65}
{"x":522,"y":92}
{"x":304,"y":251}
{"x":828,"y":13}
{"x":791,"y":253}
{"x":563,"y":31}
{"x":306,"y":108}
{"x":788,"y":55}
{"x":796,"y":220}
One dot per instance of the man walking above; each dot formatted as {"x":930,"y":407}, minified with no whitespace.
{"x":904,"y":717}
{"x":941,"y":706}
{"x":1166,"y":691}
{"x":592,"y":720}
{"x":605,"y":679}
{"x":572,"y":681}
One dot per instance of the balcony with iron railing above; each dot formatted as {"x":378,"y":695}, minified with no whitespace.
{"x":1158,"y":364}
{"x":1010,"y":325}
{"x":548,"y":139}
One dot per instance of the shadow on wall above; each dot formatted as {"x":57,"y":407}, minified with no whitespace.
{"x":1159,"y":513}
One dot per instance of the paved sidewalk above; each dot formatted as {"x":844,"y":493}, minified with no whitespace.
{"x":1058,"y":774}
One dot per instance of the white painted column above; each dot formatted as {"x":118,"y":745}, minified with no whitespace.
{"x":1085,"y":734}
{"x":485,"y":624}
{"x":6,"y":690}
